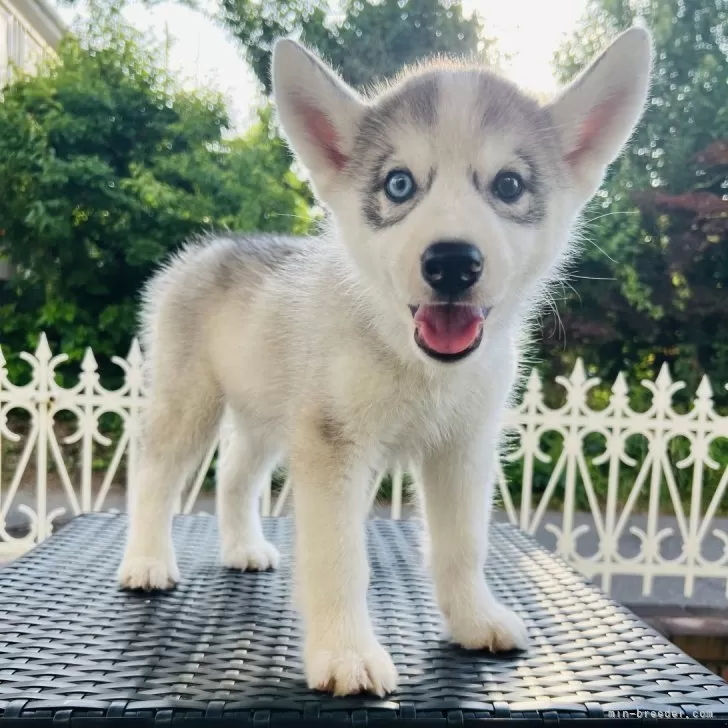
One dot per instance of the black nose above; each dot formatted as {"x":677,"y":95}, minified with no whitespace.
{"x":451,"y":268}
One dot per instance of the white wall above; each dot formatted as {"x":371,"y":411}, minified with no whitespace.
{"x":29,"y":29}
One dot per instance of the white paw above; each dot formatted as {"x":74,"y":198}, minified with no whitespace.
{"x":149,"y":573}
{"x":497,"y":629}
{"x":257,"y":556}
{"x":349,"y":671}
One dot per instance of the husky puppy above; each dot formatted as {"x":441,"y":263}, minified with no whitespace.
{"x":452,"y":197}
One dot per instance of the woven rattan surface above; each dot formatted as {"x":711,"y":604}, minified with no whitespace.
{"x":226,"y":645}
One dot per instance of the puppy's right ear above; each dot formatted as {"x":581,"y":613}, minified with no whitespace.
{"x":318,"y":111}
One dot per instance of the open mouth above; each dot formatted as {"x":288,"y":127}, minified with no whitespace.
{"x":448,"y":332}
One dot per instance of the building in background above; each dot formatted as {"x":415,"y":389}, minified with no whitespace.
{"x":29,"y":31}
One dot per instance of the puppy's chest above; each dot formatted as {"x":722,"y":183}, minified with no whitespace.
{"x":401,"y":410}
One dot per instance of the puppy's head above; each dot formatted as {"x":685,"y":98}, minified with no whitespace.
{"x":453,"y":191}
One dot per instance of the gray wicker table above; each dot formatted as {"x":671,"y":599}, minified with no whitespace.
{"x":223,"y":648}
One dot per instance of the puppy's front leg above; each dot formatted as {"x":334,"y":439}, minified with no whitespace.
{"x":458,"y":491}
{"x":330,"y":478}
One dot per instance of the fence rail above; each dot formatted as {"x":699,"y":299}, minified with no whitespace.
{"x":598,"y":477}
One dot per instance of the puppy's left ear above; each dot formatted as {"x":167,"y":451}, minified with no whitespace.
{"x":596,"y":115}
{"x":319,"y":113}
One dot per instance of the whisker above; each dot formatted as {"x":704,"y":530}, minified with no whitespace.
{"x":601,"y":250}
{"x":615,"y":212}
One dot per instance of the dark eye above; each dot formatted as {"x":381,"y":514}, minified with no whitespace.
{"x":508,"y":186}
{"x":399,"y":185}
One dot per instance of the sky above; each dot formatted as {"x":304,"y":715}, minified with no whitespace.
{"x":202,"y":54}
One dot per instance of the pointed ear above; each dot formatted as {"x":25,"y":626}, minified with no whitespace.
{"x":317,"y":110}
{"x":598,"y":112}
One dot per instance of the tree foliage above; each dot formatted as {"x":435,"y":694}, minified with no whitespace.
{"x":651,"y":283}
{"x":372,"y":41}
{"x":105,"y":167}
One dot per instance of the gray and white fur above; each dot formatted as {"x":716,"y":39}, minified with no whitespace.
{"x":315,"y":350}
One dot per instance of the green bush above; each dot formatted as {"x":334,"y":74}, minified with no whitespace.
{"x":106,"y":166}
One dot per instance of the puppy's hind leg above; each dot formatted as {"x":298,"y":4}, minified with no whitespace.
{"x":181,"y":420}
{"x":247,"y":458}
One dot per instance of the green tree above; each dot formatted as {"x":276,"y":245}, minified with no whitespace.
{"x":105,"y":167}
{"x":371,"y":42}
{"x":650,"y":285}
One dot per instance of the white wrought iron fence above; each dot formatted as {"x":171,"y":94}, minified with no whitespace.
{"x":622,"y":489}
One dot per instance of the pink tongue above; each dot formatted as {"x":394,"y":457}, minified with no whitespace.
{"x":448,"y":329}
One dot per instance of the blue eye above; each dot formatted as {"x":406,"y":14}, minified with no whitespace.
{"x":399,"y":185}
